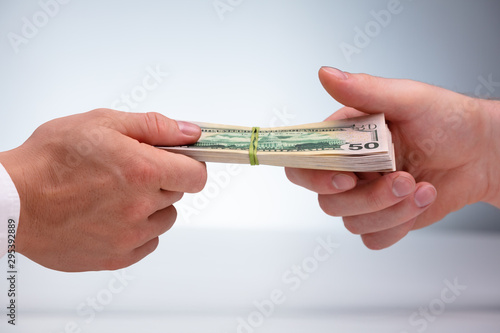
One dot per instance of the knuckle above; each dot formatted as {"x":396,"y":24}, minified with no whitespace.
{"x":157,"y":123}
{"x":101,"y":112}
{"x":140,"y":171}
{"x":129,"y":239}
{"x":119,"y":243}
{"x":137,"y":236}
{"x":375,"y":201}
{"x":102,"y":115}
{"x":146,"y":169}
{"x":106,"y":117}
{"x":152,"y":122}
{"x":135,"y":212}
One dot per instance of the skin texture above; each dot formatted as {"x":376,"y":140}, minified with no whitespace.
{"x":447,"y":156}
{"x":95,"y":194}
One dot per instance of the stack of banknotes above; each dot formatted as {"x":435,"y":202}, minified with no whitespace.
{"x":361,"y":144}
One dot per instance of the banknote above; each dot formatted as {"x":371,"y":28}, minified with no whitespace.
{"x":359,"y":144}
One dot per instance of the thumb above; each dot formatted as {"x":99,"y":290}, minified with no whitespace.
{"x":399,"y":99}
{"x":156,"y":129}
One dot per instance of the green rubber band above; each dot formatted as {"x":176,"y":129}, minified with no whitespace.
{"x":252,"y":151}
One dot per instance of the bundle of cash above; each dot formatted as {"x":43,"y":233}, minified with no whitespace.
{"x":361,"y":144}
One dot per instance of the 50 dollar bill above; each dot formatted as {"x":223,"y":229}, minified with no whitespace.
{"x":360,"y":144}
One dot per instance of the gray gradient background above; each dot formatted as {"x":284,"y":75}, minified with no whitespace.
{"x":242,"y":233}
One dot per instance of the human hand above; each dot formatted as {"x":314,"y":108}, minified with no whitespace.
{"x":447,"y":154}
{"x":94,"y":193}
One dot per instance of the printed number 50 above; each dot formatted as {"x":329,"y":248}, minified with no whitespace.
{"x":359,"y":146}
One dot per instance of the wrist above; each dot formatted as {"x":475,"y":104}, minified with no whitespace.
{"x":491,"y":109}
{"x":9,"y":161}
{"x":12,"y":163}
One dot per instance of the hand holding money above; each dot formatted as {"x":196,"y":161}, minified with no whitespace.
{"x":359,"y":144}
{"x":447,"y":153}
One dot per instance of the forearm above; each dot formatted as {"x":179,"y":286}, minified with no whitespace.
{"x":492,"y":109}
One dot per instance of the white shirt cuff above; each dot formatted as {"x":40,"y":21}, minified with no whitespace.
{"x":10,"y":208}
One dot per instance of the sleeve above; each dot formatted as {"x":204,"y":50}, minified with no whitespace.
{"x":10,"y":207}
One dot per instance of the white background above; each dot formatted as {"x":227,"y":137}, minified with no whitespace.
{"x":233,"y":244}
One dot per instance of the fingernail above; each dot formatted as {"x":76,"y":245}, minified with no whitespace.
{"x":425,"y":196}
{"x":402,"y":186}
{"x":335,"y":72}
{"x":343,"y":182}
{"x":188,"y":129}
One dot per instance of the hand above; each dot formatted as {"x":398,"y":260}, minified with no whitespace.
{"x":447,"y":152}
{"x":94,"y":193}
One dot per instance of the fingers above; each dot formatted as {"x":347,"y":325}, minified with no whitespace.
{"x":400,"y":100}
{"x":162,"y":220}
{"x":391,"y":216}
{"x":152,"y":169}
{"x":384,"y":228}
{"x":157,"y":224}
{"x":163,"y":199}
{"x":144,"y":250}
{"x":382,"y":209}
{"x":156,"y":129}
{"x":124,"y":260}
{"x":155,"y":167}
{"x":180,"y":173}
{"x":142,"y":239}
{"x":383,"y":239}
{"x":371,"y":196}
{"x":322,"y":181}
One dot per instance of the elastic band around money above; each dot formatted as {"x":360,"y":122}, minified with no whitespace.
{"x":252,"y":151}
